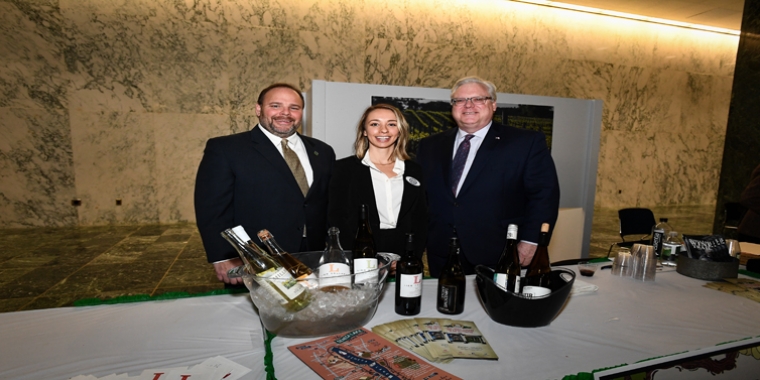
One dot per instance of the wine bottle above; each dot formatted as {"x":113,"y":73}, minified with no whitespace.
{"x":334,"y":267}
{"x":409,"y":281}
{"x":451,"y":282}
{"x":269,"y":274}
{"x":364,"y":260}
{"x":507,"y":274}
{"x":539,"y":270}
{"x":299,"y":270}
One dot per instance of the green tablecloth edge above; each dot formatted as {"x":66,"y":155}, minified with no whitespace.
{"x":749,"y":274}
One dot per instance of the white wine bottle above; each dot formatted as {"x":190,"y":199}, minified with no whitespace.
{"x":507,"y":273}
{"x":269,"y":274}
{"x":451,"y":282}
{"x":364,"y":259}
{"x":297,"y":269}
{"x":334,"y":267}
{"x":539,"y":269}
{"x":409,"y":281}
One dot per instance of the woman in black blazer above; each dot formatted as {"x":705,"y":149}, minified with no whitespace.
{"x":382,"y":176}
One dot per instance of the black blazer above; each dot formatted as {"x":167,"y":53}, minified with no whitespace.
{"x":244,"y":180}
{"x":351,"y":186}
{"x":512,"y":180}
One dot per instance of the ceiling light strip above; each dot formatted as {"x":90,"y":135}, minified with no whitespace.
{"x":630,"y":16}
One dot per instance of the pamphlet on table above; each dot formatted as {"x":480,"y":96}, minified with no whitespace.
{"x":359,"y":354}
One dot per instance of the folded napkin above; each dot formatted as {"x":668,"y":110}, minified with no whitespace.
{"x":581,"y":287}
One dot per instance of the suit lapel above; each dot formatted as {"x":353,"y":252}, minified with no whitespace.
{"x":407,"y":199}
{"x":266,"y":149}
{"x":446,"y":153}
{"x":364,"y":178}
{"x":484,"y":156}
{"x":318,"y":169}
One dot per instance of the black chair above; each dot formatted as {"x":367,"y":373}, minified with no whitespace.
{"x":637,"y":222}
{"x":733,"y":213}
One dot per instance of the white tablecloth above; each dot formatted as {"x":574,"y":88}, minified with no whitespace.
{"x":623,"y":322}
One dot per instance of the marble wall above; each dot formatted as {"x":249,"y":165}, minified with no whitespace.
{"x":113,"y":99}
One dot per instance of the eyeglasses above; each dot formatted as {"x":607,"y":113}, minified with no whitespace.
{"x":477,"y":101}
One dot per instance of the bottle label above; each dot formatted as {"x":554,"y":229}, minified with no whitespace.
{"x":447,"y":298}
{"x":365,"y":271}
{"x":309,"y":280}
{"x":334,"y":274}
{"x":275,"y":279}
{"x":410,"y":285}
{"x":657,"y":238}
{"x":536,"y":291}
{"x":501,"y":280}
{"x":670,"y":251}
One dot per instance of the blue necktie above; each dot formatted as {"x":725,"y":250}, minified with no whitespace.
{"x":457,"y":166}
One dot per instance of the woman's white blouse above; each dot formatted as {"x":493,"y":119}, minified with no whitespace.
{"x":388,"y":192}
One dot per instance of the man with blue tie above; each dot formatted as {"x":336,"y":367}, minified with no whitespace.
{"x":483,"y":176}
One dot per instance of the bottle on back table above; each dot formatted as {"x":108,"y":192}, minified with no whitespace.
{"x":451,"y":282}
{"x":507,"y":273}
{"x":660,"y":231}
{"x":364,"y":260}
{"x":268,"y":273}
{"x":334,"y":266}
{"x":297,"y":269}
{"x":539,"y":269}
{"x":409,"y":281}
{"x":671,"y":247}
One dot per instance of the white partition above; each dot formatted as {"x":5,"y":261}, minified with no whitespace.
{"x":567,"y":239}
{"x":335,"y":108}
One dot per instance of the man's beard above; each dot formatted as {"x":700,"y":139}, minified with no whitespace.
{"x":269,"y":126}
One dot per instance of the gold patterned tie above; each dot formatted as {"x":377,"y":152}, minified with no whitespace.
{"x":295,"y":166}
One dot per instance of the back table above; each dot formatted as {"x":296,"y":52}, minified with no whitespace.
{"x":624,"y":321}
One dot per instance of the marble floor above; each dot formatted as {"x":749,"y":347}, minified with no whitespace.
{"x":54,"y":267}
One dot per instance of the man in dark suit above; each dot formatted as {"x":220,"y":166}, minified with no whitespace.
{"x":483,"y":176}
{"x":267,"y":178}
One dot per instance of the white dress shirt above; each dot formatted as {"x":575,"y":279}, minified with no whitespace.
{"x":388,"y":192}
{"x":475,"y":143}
{"x":296,"y":145}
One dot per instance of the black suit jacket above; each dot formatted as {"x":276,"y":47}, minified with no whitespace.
{"x":512,"y":180}
{"x":351,"y":186}
{"x":244,"y":180}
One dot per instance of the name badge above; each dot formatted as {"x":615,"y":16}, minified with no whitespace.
{"x":413,"y":181}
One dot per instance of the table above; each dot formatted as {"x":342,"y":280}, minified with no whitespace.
{"x":623,"y":322}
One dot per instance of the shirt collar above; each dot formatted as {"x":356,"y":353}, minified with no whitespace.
{"x":398,"y":166}
{"x":293,"y":140}
{"x":481,"y":133}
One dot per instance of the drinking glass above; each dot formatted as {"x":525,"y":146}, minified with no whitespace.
{"x":623,"y":263}
{"x":734,"y":249}
{"x":645,"y":263}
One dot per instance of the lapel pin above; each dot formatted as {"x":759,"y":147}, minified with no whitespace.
{"x":316,"y":153}
{"x":498,"y":138}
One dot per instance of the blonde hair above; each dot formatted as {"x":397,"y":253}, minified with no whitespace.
{"x":361,"y":145}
